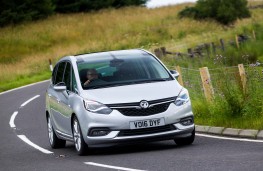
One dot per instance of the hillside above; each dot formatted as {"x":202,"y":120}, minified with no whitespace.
{"x":25,"y":49}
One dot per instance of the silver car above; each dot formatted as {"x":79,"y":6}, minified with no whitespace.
{"x":116,"y":97}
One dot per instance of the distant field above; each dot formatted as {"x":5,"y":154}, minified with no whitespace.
{"x":26,"y":48}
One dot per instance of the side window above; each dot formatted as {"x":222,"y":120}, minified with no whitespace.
{"x":74,"y":83}
{"x":60,"y":71}
{"x":67,"y":76}
{"x":54,"y":74}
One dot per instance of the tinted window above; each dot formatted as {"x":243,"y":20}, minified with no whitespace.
{"x":74,"y":83}
{"x":67,"y":76}
{"x":54,"y":74}
{"x":121,"y":70}
{"x":60,"y":71}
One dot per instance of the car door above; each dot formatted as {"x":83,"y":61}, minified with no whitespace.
{"x":64,"y":111}
{"x":50,"y":95}
{"x":54,"y":102}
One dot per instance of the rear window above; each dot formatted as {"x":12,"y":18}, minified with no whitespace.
{"x":60,"y":72}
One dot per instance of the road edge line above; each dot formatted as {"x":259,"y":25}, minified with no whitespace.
{"x":8,"y":91}
{"x":29,"y":100}
{"x":229,"y":138}
{"x":12,"y":119}
{"x":111,"y":167}
{"x":26,"y":140}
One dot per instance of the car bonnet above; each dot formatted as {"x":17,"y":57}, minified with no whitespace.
{"x":134,"y":93}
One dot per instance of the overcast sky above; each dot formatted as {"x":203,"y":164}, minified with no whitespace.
{"x":158,"y":3}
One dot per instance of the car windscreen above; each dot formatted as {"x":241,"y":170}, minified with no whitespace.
{"x":108,"y":71}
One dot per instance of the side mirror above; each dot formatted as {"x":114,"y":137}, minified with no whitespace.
{"x":174,"y":73}
{"x":60,"y":87}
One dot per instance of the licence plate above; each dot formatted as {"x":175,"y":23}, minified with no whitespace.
{"x":147,"y":123}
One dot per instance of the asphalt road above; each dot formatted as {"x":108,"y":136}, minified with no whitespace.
{"x":15,"y":154}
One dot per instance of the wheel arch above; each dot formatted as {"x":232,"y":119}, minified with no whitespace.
{"x":47,"y":114}
{"x":71,"y":121}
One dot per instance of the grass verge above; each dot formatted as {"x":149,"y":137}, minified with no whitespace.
{"x":25,"y":80}
{"x":25,"y":50}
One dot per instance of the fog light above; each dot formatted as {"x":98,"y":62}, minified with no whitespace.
{"x":98,"y":132}
{"x":187,"y":121}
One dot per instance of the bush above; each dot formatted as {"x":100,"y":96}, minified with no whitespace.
{"x":68,"y":6}
{"x":16,"y":11}
{"x":188,"y":12}
{"x":223,"y":11}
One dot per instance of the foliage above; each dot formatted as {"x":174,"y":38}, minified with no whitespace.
{"x":223,"y":11}
{"x":232,"y":106}
{"x":16,"y":11}
{"x":25,"y":50}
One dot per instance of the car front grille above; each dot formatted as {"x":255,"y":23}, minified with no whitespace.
{"x":144,"y":131}
{"x":134,"y":109}
{"x":145,"y":112}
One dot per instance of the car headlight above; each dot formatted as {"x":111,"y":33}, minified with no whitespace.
{"x":96,"y":107}
{"x":182,"y":98}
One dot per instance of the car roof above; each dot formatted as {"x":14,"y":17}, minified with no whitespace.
{"x":112,"y":53}
{"x":116,"y":53}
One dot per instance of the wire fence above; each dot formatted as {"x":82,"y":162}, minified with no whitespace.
{"x":208,"y":49}
{"x":192,"y":81}
{"x":222,"y":79}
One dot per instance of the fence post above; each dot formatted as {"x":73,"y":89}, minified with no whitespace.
{"x":190,"y":52}
{"x":237,"y":42}
{"x":180,"y":78}
{"x":50,"y":65}
{"x":213,"y":47}
{"x":207,"y":47}
{"x":242,"y":74}
{"x":158,"y":53}
{"x":222,"y":44}
{"x":163,"y":49}
{"x":254,"y":34}
{"x":207,"y":84}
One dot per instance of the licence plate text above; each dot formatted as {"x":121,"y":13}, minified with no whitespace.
{"x":147,"y":123}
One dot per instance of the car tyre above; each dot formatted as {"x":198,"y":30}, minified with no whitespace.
{"x":80,"y":145}
{"x":186,"y":141}
{"x":54,"y":141}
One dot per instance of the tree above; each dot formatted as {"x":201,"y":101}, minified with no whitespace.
{"x":16,"y":11}
{"x":122,"y":3}
{"x":69,"y":6}
{"x":223,"y":11}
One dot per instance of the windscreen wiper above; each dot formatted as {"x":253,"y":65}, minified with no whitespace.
{"x":105,"y":86}
{"x":153,"y":80}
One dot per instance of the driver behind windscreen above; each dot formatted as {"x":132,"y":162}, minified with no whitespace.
{"x":92,"y":76}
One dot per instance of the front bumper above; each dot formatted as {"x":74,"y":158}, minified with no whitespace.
{"x":113,"y":139}
{"x":117,"y":122}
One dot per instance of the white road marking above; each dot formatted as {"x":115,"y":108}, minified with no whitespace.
{"x":26,"y":140}
{"x":23,"y":137}
{"x":12,"y":120}
{"x":111,"y":167}
{"x":29,"y":100}
{"x":229,"y":138}
{"x":23,"y":87}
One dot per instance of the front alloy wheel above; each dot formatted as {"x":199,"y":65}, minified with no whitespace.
{"x":54,"y":141}
{"x":79,"y":142}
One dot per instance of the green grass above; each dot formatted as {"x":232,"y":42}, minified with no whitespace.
{"x":24,"y":80}
{"x":26,"y":48}
{"x":232,"y":106}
